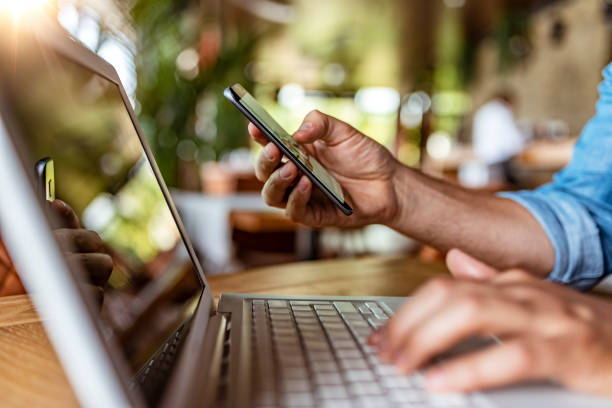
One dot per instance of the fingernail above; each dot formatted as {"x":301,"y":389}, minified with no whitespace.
{"x":303,"y":185}
{"x":286,"y":172}
{"x":306,"y":126}
{"x":268,"y":151}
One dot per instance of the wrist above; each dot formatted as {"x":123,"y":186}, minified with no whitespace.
{"x":404,"y":199}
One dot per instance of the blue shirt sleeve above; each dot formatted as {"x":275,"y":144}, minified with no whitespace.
{"x":575,"y":210}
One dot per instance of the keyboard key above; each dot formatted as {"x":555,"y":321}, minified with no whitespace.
{"x":301,"y":308}
{"x":300,"y":385}
{"x":395,"y":382}
{"x":313,"y":334}
{"x":320,"y":356}
{"x":307,"y":329}
{"x":359,"y":376}
{"x":331,"y":319}
{"x":301,"y":302}
{"x":336,"y":334}
{"x":277,"y":304}
{"x":354,"y":364}
{"x":344,"y":307}
{"x":327,"y":313}
{"x":286,"y":340}
{"x":324,"y":307}
{"x":386,"y":370}
{"x":377,"y":323}
{"x":302,"y":399}
{"x":324,"y":366}
{"x":344,"y":344}
{"x":316,"y":344}
{"x":293,"y":373}
{"x":331,"y":391}
{"x":363,"y":309}
{"x":366,"y":388}
{"x":348,"y":353}
{"x":335,"y":326}
{"x":327,"y":379}
{"x":291,"y":360}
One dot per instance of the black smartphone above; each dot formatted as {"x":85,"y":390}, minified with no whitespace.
{"x":307,"y":164}
{"x":45,"y":176}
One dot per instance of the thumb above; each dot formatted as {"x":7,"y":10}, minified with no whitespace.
{"x":463,"y":266}
{"x":319,"y":126}
{"x":65,"y":215}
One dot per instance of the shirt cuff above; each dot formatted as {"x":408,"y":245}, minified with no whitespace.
{"x":572,"y":232}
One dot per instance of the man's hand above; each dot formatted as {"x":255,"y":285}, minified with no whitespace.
{"x":547,"y":331}
{"x":364,"y":168}
{"x":83,"y":247}
{"x":497,"y":230}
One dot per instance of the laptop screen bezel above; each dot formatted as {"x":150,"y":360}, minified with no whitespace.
{"x":58,"y":41}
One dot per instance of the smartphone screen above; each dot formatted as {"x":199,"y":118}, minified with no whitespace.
{"x":248,"y":102}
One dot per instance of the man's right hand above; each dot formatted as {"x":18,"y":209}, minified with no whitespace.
{"x":365,"y":169}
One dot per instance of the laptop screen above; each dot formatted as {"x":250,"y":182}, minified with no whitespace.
{"x":67,"y":113}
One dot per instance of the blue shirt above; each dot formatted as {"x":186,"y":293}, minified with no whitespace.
{"x":575,"y":209}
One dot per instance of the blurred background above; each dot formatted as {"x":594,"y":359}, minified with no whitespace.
{"x":490,"y":94}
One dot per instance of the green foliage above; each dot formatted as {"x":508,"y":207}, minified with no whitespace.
{"x":185,"y":117}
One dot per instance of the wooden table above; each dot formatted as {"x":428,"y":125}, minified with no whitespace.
{"x":30,"y":373}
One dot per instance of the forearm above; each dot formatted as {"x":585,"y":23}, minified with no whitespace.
{"x":495,"y":230}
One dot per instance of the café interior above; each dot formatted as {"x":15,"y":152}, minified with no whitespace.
{"x":423,"y":78}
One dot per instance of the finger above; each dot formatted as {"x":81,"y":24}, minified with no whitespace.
{"x":66,"y":216}
{"x":96,"y":293}
{"x":425,"y":301}
{"x":318,"y":126}
{"x":257,"y":135}
{"x":79,"y":240}
{"x":459,"y":320}
{"x":98,"y":266}
{"x":461,"y":265}
{"x":275,"y":189}
{"x":267,"y":162}
{"x":504,"y":364}
{"x":297,"y":204}
{"x":514,"y":276}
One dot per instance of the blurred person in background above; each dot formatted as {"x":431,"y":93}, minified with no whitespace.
{"x":496,"y":137}
{"x":562,"y":231}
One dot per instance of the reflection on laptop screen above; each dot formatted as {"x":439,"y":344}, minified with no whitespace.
{"x":77,"y":118}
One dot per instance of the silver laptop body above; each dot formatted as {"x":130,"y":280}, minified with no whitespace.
{"x":159,"y":319}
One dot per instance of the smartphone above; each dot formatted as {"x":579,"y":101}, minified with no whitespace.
{"x":307,"y":164}
{"x":45,"y":175}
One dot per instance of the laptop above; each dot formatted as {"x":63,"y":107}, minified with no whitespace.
{"x":159,"y":338}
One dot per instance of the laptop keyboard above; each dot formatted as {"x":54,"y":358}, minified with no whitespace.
{"x":315,"y":354}
{"x":152,"y":377}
